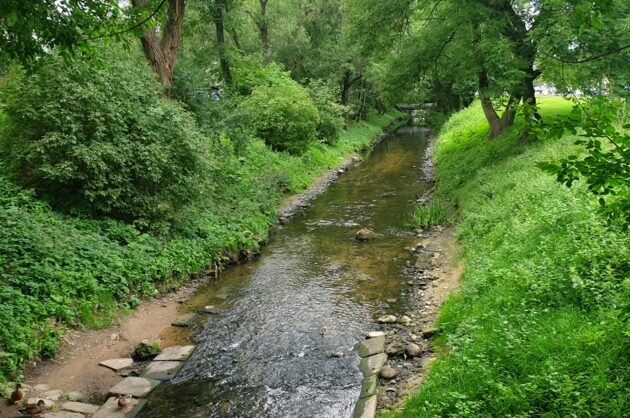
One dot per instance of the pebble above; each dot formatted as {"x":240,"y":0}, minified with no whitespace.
{"x":413,"y":350}
{"x":375,"y":334}
{"x":386,"y":319}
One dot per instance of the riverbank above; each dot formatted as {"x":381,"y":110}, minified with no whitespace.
{"x":116,"y":266}
{"x":76,"y":367}
{"x":540,"y":323}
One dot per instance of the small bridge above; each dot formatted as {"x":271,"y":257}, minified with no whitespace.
{"x":402,"y":107}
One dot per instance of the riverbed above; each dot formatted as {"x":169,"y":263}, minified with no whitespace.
{"x":280,"y":340}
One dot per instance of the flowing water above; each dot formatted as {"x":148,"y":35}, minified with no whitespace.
{"x":262,"y":354}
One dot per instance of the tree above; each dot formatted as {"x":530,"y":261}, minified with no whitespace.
{"x":162,"y":52}
{"x":495,"y":44}
{"x":32,"y":28}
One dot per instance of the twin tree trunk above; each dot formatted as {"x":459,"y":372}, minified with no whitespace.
{"x":517,"y":32}
{"x":162,"y":52}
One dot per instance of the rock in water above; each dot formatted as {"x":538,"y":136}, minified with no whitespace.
{"x":365,"y":234}
{"x":388,"y":372}
{"x":386,"y":319}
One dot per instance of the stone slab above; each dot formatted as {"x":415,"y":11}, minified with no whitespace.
{"x":64,"y":414}
{"x":111,"y":410}
{"x":53,"y":395}
{"x":372,"y":346}
{"x":134,"y":386}
{"x":117,"y":364}
{"x":373,"y":364}
{"x":185,"y":321}
{"x":370,"y":384}
{"x":162,"y":370}
{"x":365,"y":408}
{"x":42,"y":387}
{"x":175,"y":353}
{"x":80,"y":407}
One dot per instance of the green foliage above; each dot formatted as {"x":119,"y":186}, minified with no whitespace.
{"x":57,"y":271}
{"x":540,"y":326}
{"x":283,"y":115}
{"x":606,"y":166}
{"x":431,"y":214}
{"x":102,"y":141}
{"x":331,"y":113}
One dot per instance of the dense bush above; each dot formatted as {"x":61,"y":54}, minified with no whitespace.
{"x":331,"y":113}
{"x":283,"y":115}
{"x":101,"y":140}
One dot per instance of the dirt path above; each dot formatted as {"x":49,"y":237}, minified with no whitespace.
{"x":75,"y":368}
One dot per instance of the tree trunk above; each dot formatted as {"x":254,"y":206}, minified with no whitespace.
{"x":220,"y":31}
{"x":235,"y":38}
{"x":264,"y":31}
{"x":162,"y":53}
{"x":497,"y":124}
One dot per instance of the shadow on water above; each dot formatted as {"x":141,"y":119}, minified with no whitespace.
{"x":262,"y":354}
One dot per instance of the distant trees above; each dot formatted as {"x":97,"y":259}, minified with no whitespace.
{"x":497,"y":47}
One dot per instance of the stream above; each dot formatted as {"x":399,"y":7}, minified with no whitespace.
{"x":262,"y":353}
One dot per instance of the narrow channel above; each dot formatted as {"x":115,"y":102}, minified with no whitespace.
{"x":263,"y":353}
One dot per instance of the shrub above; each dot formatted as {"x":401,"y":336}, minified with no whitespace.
{"x":282,"y":115}
{"x":99,"y":139}
{"x":331,"y":120}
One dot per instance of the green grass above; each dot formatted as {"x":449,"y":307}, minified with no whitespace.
{"x":433,"y":213}
{"x":58,"y":271}
{"x":540,"y":326}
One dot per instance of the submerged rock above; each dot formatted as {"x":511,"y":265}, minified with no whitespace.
{"x":365,"y":234}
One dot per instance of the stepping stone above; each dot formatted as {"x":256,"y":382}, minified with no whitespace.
{"x":162,"y":370}
{"x":370,"y":384}
{"x":41,"y":387}
{"x":372,"y":346}
{"x":134,"y":386}
{"x":64,"y":414}
{"x":53,"y":395}
{"x":365,"y":408}
{"x":185,"y":321}
{"x":111,"y":409}
{"x":83,"y":408}
{"x":117,"y":364}
{"x":373,"y":364}
{"x":175,"y":353}
{"x":47,"y":402}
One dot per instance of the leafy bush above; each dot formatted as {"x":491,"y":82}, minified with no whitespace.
{"x":282,"y":115}
{"x":331,"y":120}
{"x":101,"y":140}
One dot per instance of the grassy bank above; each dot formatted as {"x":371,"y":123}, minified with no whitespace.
{"x":540,"y":326}
{"x":58,"y":271}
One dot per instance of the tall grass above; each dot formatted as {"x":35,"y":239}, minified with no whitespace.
{"x":430,"y":214}
{"x":540,"y":326}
